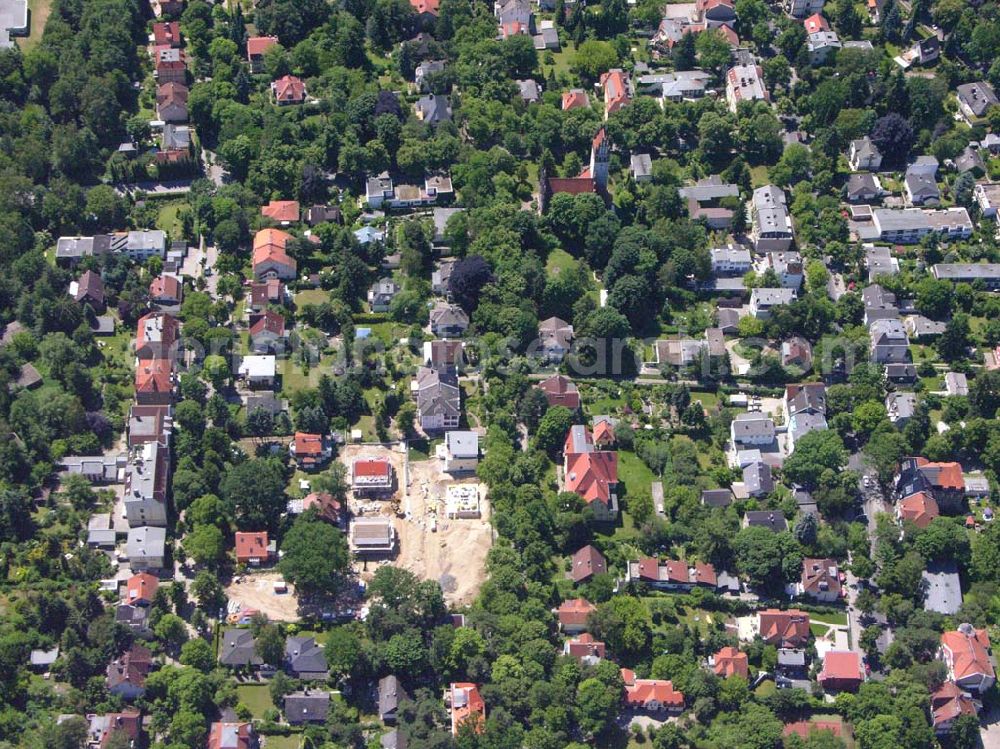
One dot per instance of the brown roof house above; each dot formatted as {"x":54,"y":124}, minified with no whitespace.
{"x":820,"y":580}
{"x":560,"y":391}
{"x":88,"y":289}
{"x":256,"y":47}
{"x":172,"y":102}
{"x":784,"y":629}
{"x":288,"y":90}
{"x":572,"y":615}
{"x":126,"y":676}
{"x":555,"y":336}
{"x":587,"y":562}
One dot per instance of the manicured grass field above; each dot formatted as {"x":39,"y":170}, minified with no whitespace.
{"x":634,"y":473}
{"x":283,"y":742}
{"x":311,"y":296}
{"x":558,"y":261}
{"x":169,"y":220}
{"x":257,"y":697}
{"x":838,"y":618}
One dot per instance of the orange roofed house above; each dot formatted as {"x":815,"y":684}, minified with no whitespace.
{"x":591,"y":473}
{"x":585,"y":649}
{"x":140,"y":589}
{"x":616,"y":90}
{"x":252,"y":547}
{"x":231,"y":736}
{"x":784,"y":629}
{"x":651,"y":695}
{"x":842,"y":671}
{"x":155,"y":336}
{"x":943,"y":481}
{"x":730,"y":662}
{"x":167,"y":34}
{"x":310,"y":450}
{"x":154,"y":382}
{"x":948,"y":704}
{"x":288,"y":90}
{"x":920,"y":509}
{"x":966,"y":654}
{"x":371,"y":478}
{"x":256,"y":47}
{"x":426,"y":10}
{"x":572,"y":615}
{"x":270,"y":259}
{"x":284,"y":212}
{"x":575,"y":98}
{"x":467,"y":707}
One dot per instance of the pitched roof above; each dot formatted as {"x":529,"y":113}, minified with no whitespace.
{"x":258,"y":45}
{"x":842,"y":665}
{"x":784,"y":628}
{"x":575,"y":98}
{"x":969,"y":651}
{"x":305,"y":656}
{"x":238,"y":648}
{"x":307,"y":444}
{"x":141,"y":588}
{"x":730,"y":662}
{"x":574,"y":612}
{"x":426,"y":6}
{"x":920,"y":509}
{"x":592,"y":475}
{"x":165,"y":286}
{"x":230,"y":736}
{"x":642,"y":692}
{"x":289,"y":88}
{"x":267,"y":321}
{"x":585,"y":646}
{"x":130,"y":668}
{"x":251,"y":545}
{"x":281,"y":210}
{"x":820,"y":576}
{"x":467,"y":706}
{"x":167,"y":32}
{"x":90,"y":286}
{"x":949,"y":702}
{"x":154,"y":376}
{"x":816,"y":23}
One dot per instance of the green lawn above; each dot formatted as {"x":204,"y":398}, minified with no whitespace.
{"x":283,"y":742}
{"x":39,"y":14}
{"x":634,"y":473}
{"x":759,"y":176}
{"x":839,"y":618}
{"x":311,"y":296}
{"x":563,"y":59}
{"x":708,"y":400}
{"x":257,"y":697}
{"x":559,"y":260}
{"x":818,"y":630}
{"x":169,"y":219}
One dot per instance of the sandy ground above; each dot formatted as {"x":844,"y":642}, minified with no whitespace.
{"x":451,"y":552}
{"x":256,"y":591}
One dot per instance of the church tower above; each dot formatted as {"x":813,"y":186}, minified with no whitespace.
{"x":600,"y":151}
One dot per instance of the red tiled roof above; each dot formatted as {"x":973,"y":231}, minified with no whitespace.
{"x":269,"y":322}
{"x":307,"y":444}
{"x":574,"y":612}
{"x":643,"y":692}
{"x":585,"y":645}
{"x":258,"y":45}
{"x":615,"y":85}
{"x":571,"y":185}
{"x":649,"y":568}
{"x":704,"y":574}
{"x":942,"y":475}
{"x":168,"y":328}
{"x":168,"y":33}
{"x":281,"y":210}
{"x":251,"y":545}
{"x":165,"y":287}
{"x":949,"y":702}
{"x":677,"y":571}
{"x":592,"y":475}
{"x":784,"y":628}
{"x":841,"y":665}
{"x":269,"y":246}
{"x":604,"y":433}
{"x":153,"y":376}
{"x":327,"y":507}
{"x":731,"y":662}
{"x":289,"y":88}
{"x":920,"y":508}
{"x":575,"y":99}
{"x":820,"y":576}
{"x":372,"y":468}
{"x":816,"y":23}
{"x":230,"y":736}
{"x":467,"y":706}
{"x":130,"y":723}
{"x":141,"y":588}
{"x":560,"y":391}
{"x":729,"y":35}
{"x":969,"y":653}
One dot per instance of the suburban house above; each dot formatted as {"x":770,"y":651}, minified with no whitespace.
{"x":136,"y":618}
{"x":966,"y":654}
{"x":703,"y":200}
{"x":263,"y":293}
{"x":100,"y":728}
{"x":745,"y":83}
{"x":270,"y":258}
{"x":910,"y":225}
{"x":327,"y":508}
{"x":433,"y":109}
{"x":921,"y":188}
{"x":864,"y":156}
{"x":284,"y":212}
{"x":641,"y":167}
{"x":555,"y":337}
{"x":956,"y":384}
{"x":575,"y":98}
{"x":820,"y":580}
{"x":126,"y":674}
{"x":943,"y":481}
{"x":787,"y":266}
{"x":257,"y":370}
{"x":948,"y":703}
{"x":424,"y":72}
{"x":802,"y":8}
{"x":841,"y":672}
{"x":467,"y":707}
{"x":731,"y":261}
{"x":156,"y":335}
{"x":617,"y":90}
{"x":145,"y":548}
{"x":146,"y":479}
{"x":573,"y":613}
{"x":784,"y":629}
{"x":769,"y":519}
{"x":460,"y":452}
{"x":382,"y":192}
{"x":169,"y":65}
{"x":974,"y":101}
{"x":88,"y":289}
{"x":820,"y":45}
{"x":140,"y":589}
{"x":889,"y":343}
{"x":987,"y":197}
{"x":381,"y":294}
{"x":919,"y":508}
{"x":585,"y":649}
{"x":757,"y":479}
{"x":253,"y":548}
{"x":676,"y":86}
{"x":267,"y":331}
{"x":587,"y":562}
{"x":371,"y":478}
{"x":310,"y":451}
{"x":256,"y":47}
{"x":443,"y":356}
{"x":171,"y":102}
{"x":863,"y":187}
{"x":730,"y":661}
{"x":238,"y":649}
{"x":305,"y":660}
{"x":154,"y":382}
{"x":288,"y":90}
{"x":448,"y":320}
{"x":901,"y":407}
{"x":166,"y":289}
{"x":770,"y":221}
{"x":651,"y":695}
{"x":439,"y":401}
{"x":796,"y":352}
{"x":988,"y":273}
{"x":591,"y":473}
{"x":763,"y":300}
{"x":231,"y":736}
{"x":751,"y":430}
{"x":560,"y":391}
{"x":306,"y":706}
{"x":372,"y":536}
{"x":390,"y":693}
{"x":678,"y":575}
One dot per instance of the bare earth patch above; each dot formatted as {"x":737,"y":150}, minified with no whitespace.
{"x":432,"y":546}
{"x":255,"y":590}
